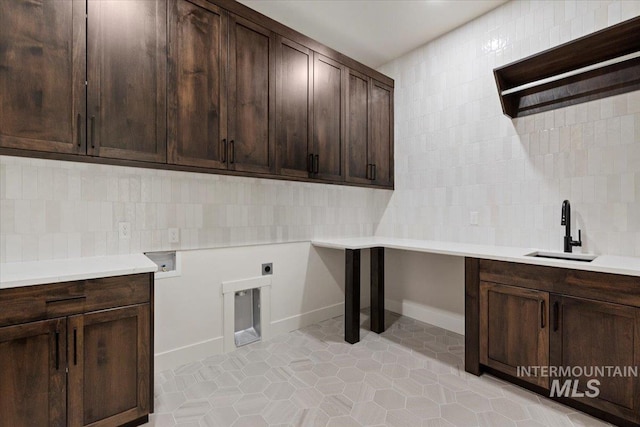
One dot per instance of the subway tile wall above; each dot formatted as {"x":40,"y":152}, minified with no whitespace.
{"x":456,"y":153}
{"x":52,"y":209}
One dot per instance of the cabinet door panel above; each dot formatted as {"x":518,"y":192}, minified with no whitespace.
{"x":597,"y":334}
{"x":328,"y":117}
{"x":294,"y":108}
{"x":514,"y":331}
{"x":42,"y":74}
{"x":109,"y":365}
{"x":196,"y":88}
{"x":33,"y":385}
{"x":381,"y":125}
{"x":251,"y":95}
{"x":357,"y":128}
{"x":127,"y":82}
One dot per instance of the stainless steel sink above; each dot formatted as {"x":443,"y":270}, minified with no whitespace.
{"x":563,"y":255}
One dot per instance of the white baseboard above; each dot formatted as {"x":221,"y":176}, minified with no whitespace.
{"x":190,"y":353}
{"x":298,"y":321}
{"x":435,"y":316}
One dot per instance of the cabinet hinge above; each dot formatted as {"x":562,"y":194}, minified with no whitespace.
{"x":66,"y":370}
{"x":86,"y":83}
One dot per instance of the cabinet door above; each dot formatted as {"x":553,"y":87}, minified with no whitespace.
{"x":196,"y":87}
{"x":357,"y":128}
{"x":127,"y":82}
{"x":514,"y":331}
{"x":251,"y":97}
{"x":33,"y":381}
{"x":329,"y":81}
{"x":294,"y":108}
{"x":381,"y":140}
{"x":589,"y":333}
{"x":42,"y":75}
{"x":109,"y":366}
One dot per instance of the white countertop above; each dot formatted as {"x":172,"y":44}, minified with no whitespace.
{"x":64,"y":270}
{"x":603,"y":263}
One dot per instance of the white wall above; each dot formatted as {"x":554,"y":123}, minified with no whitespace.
{"x":307,"y":287}
{"x":51,"y":209}
{"x":457,"y":153}
{"x":427,"y":287}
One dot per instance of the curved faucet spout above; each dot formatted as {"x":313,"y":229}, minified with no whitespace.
{"x":565,"y":220}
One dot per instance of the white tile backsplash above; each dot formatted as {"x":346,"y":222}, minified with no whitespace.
{"x":52,"y":209}
{"x":457,"y":153}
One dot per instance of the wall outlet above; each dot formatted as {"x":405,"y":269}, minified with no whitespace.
{"x":473,"y":218}
{"x":174,"y":235}
{"x":124,"y":230}
{"x":267,"y":269}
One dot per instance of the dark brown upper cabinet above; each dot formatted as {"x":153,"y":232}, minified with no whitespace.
{"x":42,"y":75}
{"x":601,"y":64}
{"x":197,"y":100}
{"x":193,"y":85}
{"x":251,"y":85}
{"x":381,"y":134}
{"x":369,"y":132}
{"x":50,"y":49}
{"x":329,"y":109}
{"x":358,"y":165}
{"x":127,"y":79}
{"x":294,"y":108}
{"x":221,"y":105}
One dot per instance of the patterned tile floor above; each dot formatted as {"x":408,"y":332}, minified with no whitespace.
{"x":411,"y":375}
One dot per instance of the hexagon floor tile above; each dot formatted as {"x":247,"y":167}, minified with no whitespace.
{"x":410,"y":375}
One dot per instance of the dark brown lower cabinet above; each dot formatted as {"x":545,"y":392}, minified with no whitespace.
{"x":582,"y":327}
{"x":589,"y":333}
{"x":514,"y":329}
{"x":33,"y":380}
{"x":109,"y":367}
{"x":91,"y":364}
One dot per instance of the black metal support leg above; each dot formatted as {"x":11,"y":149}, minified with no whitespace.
{"x":377,"y":290}
{"x":352,"y":296}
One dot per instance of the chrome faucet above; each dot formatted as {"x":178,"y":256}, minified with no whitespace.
{"x":569,"y":243}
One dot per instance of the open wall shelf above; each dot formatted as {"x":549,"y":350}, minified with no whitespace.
{"x":595,"y":66}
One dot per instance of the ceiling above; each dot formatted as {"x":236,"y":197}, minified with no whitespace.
{"x":373,"y":31}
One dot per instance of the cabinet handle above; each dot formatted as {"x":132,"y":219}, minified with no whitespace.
{"x":232,"y":147}
{"x":79,"y":130}
{"x":73,"y":298}
{"x":224,"y":150}
{"x":316,"y":164}
{"x":57,"y":350}
{"x":556,"y":316}
{"x":373,"y":172}
{"x":75,"y":346}
{"x":368,"y":174}
{"x":93,"y":131}
{"x":310,"y":163}
{"x":542,"y":316}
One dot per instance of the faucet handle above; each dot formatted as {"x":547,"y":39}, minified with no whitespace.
{"x":579,"y":241}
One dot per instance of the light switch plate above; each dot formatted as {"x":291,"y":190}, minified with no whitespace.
{"x":174,"y":235}
{"x":473,"y":218}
